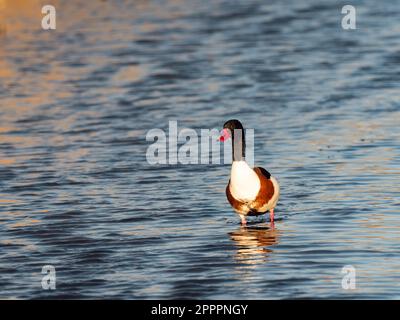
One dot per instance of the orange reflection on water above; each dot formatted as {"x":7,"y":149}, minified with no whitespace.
{"x":19,"y":242}
{"x":253,"y":244}
{"x":129,"y":74}
{"x":23,"y":223}
{"x":19,"y":16}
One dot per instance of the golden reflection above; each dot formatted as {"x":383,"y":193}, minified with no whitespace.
{"x":24,"y":223}
{"x":7,"y":162}
{"x":130,"y":74}
{"x":19,"y":242}
{"x":253,"y":244}
{"x":16,"y":16}
{"x":4,"y":202}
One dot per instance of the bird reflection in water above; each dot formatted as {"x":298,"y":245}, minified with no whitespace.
{"x":253,"y":242}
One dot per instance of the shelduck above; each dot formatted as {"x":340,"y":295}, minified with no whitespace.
{"x":250,"y":191}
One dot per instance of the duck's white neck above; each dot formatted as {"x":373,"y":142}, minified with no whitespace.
{"x":245,"y":183}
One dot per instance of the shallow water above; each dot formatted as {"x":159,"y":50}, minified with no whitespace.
{"x":77,"y":192}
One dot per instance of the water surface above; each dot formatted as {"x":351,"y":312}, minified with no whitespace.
{"x":77,"y":192}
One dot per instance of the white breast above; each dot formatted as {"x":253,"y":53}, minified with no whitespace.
{"x":245,"y":183}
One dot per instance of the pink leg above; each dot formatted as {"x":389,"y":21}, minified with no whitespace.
{"x":271,"y":215}
{"x":242,"y":217}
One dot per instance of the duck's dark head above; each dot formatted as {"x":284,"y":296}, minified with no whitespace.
{"x":229,"y":129}
{"x":234,"y":129}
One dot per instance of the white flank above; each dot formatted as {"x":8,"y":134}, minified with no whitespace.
{"x":245,"y":183}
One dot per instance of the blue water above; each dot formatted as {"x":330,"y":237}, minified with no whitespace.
{"x":76,"y":191}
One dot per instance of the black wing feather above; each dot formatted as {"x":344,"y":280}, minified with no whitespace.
{"x":264,"y":172}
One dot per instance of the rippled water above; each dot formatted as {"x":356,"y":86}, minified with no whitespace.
{"x":77,"y":192}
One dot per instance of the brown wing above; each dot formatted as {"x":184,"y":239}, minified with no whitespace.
{"x":266,"y":190}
